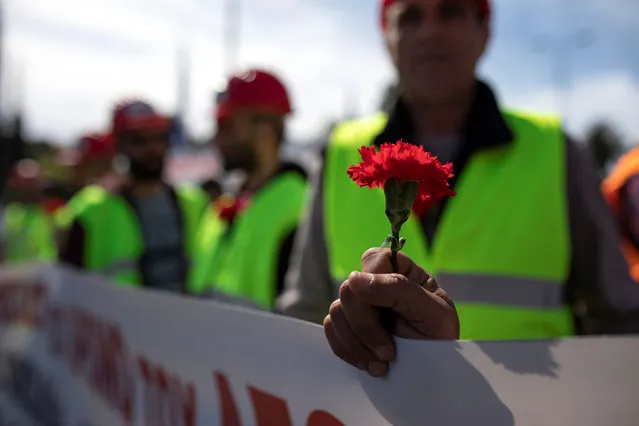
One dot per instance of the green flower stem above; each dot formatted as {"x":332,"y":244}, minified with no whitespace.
{"x":396,"y":243}
{"x":399,"y":202}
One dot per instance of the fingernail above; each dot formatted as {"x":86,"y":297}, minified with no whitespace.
{"x":376,"y":369}
{"x":384,"y":353}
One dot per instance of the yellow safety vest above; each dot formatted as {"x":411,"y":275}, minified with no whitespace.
{"x":502,"y":248}
{"x":28,"y":234}
{"x":238,"y":264}
{"x":113,"y":239}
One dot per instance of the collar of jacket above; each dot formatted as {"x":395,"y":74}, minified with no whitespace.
{"x":485,"y":126}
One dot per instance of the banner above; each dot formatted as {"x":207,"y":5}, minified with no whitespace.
{"x":78,"y":351}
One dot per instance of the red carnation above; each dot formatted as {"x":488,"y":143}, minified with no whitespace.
{"x":403,"y":161}
{"x":410,"y":176}
{"x":228,"y":208}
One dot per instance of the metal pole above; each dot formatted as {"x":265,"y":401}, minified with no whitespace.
{"x":232,"y":16}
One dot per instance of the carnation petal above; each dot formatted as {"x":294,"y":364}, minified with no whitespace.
{"x":404,"y":161}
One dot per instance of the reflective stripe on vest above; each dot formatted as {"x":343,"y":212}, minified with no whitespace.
{"x":242,"y":263}
{"x":508,"y":291}
{"x":113,"y":238}
{"x":502,"y":248}
{"x":28,"y":234}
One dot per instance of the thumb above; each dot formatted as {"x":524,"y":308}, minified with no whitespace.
{"x":378,"y":261}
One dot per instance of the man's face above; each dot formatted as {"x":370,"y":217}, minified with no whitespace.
{"x":435,"y":46}
{"x":235,"y":139}
{"x":146,"y":151}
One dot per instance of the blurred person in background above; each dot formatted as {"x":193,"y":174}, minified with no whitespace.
{"x":90,"y":163}
{"x":527,"y":238}
{"x":621,"y":189}
{"x":27,"y":228}
{"x":54,"y":197}
{"x":142,"y":233}
{"x":244,"y":248}
{"x":93,"y":161}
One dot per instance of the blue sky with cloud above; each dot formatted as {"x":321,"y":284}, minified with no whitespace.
{"x":79,"y":56}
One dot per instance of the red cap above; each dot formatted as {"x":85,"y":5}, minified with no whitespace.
{"x":252,"y":89}
{"x":95,"y":146}
{"x":92,"y":146}
{"x":135,"y":114}
{"x":484,"y":6}
{"x":27,"y":173}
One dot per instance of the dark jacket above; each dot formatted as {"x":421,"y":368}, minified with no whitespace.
{"x":73,"y":251}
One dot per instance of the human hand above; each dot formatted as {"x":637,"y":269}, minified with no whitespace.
{"x":354,"y":327}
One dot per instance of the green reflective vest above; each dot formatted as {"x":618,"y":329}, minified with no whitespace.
{"x":113,"y":238}
{"x":28,"y":234}
{"x":502,"y":249}
{"x":64,"y":217}
{"x":238,"y":264}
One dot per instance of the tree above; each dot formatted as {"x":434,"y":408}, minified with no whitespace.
{"x":604,"y":143}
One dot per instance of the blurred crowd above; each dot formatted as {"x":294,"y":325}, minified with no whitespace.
{"x":532,"y":246}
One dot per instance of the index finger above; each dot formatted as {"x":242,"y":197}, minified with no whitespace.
{"x":378,"y":261}
{"x":406,"y":297}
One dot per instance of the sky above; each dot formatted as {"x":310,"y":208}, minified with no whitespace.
{"x":68,"y":61}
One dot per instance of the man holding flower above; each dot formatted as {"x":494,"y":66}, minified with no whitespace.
{"x":526,"y":249}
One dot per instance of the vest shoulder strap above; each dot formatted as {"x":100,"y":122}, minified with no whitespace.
{"x":293,"y":177}
{"x":353,"y":132}
{"x":191,"y":192}
{"x":280,"y":201}
{"x":293,"y":167}
{"x":87,"y":200}
{"x":547,"y":124}
{"x":193,"y":198}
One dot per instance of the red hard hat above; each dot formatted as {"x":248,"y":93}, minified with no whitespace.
{"x":483,"y":4}
{"x":135,"y":114}
{"x":252,"y":89}
{"x":95,"y":146}
{"x":91,"y":146}
{"x":27,"y":173}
